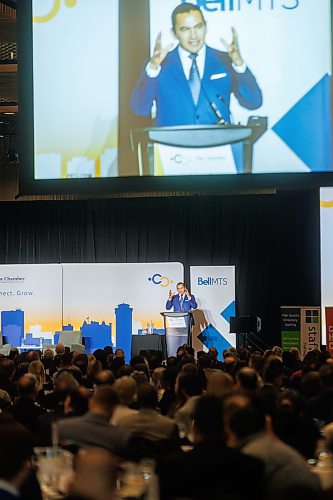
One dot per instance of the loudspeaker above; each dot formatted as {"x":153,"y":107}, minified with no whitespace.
{"x":245,"y":324}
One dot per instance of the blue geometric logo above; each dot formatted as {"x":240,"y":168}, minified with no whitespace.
{"x":210,"y":337}
{"x":230,"y":310}
{"x":307,"y":127}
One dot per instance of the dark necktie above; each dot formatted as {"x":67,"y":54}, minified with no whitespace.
{"x":181,"y":301}
{"x":194,"y":80}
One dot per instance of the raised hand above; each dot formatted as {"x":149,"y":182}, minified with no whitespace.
{"x":233,"y":49}
{"x":159,"y":53}
{"x":170,"y":295}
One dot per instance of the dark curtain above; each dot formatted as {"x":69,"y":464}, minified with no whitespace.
{"x":273,"y":240}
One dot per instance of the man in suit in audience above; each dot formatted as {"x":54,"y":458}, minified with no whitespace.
{"x":147,"y":423}
{"x":210,"y":470}
{"x":287,"y":475}
{"x":15,"y":459}
{"x":94,"y":429}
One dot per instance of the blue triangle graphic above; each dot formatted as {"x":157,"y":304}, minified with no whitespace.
{"x":307,"y":127}
{"x":230,"y":310}
{"x":210,"y":337}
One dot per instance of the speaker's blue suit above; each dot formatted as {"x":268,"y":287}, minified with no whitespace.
{"x":173,"y":97}
{"x":188,"y":304}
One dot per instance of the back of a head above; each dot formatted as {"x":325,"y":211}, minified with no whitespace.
{"x":15,"y":449}
{"x":105,"y":377}
{"x":208,"y":418}
{"x":125,"y":388}
{"x":81,"y":362}
{"x":326,"y":376}
{"x":247,"y":379}
{"x":147,"y":397}
{"x":274,"y":369}
{"x":101,"y":356}
{"x":244,"y":415}
{"x":220,"y":384}
{"x":190,"y":383}
{"x":60,"y":348}
{"x":7,"y":368}
{"x":105,"y":398}
{"x":95,"y":476}
{"x":27,"y":385}
{"x":79,"y":399}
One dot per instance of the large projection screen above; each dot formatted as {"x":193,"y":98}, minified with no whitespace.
{"x":287,"y":46}
{"x":75,"y":87}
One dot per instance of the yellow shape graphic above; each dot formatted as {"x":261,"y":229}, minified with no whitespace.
{"x":53,"y":12}
{"x":326,"y":204}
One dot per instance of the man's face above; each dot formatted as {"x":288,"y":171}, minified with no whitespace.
{"x":180,"y":289}
{"x":190,"y":29}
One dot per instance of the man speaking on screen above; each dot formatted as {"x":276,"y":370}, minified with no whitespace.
{"x":192,"y":83}
{"x":182,"y":300}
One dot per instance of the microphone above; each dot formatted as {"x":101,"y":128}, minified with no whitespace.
{"x":216,"y":111}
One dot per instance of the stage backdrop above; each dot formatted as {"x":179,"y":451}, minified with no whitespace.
{"x":214,"y":289}
{"x":108,"y":302}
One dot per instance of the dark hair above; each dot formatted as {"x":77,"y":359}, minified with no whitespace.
{"x":184,"y":8}
{"x":15,"y":449}
{"x":245,"y":415}
{"x":147,"y":396}
{"x":208,"y":417}
{"x":190,"y":383}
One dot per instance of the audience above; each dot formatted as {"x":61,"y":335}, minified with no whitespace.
{"x":249,"y":416}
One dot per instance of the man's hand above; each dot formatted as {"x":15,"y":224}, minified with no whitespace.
{"x":188,"y":295}
{"x":233,"y":49}
{"x":159,"y":53}
{"x":170,"y":295}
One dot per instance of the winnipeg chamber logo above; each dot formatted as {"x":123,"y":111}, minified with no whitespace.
{"x":53,"y":11}
{"x":159,"y":279}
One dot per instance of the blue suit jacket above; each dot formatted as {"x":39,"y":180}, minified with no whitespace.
{"x":173,"y":97}
{"x":188,"y":304}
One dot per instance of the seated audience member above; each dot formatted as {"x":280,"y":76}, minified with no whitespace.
{"x":94,"y":367}
{"x":95,"y":476}
{"x":25,"y":409}
{"x":119,"y":353}
{"x":292,"y":426}
{"x":310,"y":385}
{"x":168,"y":381}
{"x":36,"y":368}
{"x":287,"y":475}
{"x":211,"y":470}
{"x":220,"y":384}
{"x":189,"y":388}
{"x":93,"y":429}
{"x":156,"y":379}
{"x":105,"y":377}
{"x":7,"y":370}
{"x":5,"y":401}
{"x":15,"y":460}
{"x":214,"y":362}
{"x":126,"y":389}
{"x":147,"y":423}
{"x":321,"y":407}
{"x":101,"y":356}
{"x":77,"y":402}
{"x":247,"y":380}
{"x":116,"y":364}
{"x":60,"y":349}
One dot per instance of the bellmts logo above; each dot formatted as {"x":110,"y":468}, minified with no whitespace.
{"x":212,"y":281}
